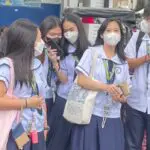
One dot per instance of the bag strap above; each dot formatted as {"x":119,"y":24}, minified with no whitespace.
{"x":12,"y":78}
{"x":94,"y":59}
{"x":139,"y":41}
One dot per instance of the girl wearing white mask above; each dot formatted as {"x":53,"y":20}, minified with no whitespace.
{"x":105,"y":130}
{"x":22,"y":43}
{"x":74,"y":43}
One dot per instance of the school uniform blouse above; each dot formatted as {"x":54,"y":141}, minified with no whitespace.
{"x":140,"y":91}
{"x":50,"y":76}
{"x":121,"y":75}
{"x":68,"y":67}
{"x":26,"y":92}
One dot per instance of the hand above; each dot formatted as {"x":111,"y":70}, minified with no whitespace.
{"x":46,"y":129}
{"x":112,"y":89}
{"x":119,"y":98}
{"x":35,"y":102}
{"x":52,"y":54}
{"x":45,"y":134}
{"x":147,"y":58}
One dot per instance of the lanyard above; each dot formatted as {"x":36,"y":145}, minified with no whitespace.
{"x":110,"y":77}
{"x":76,"y":59}
{"x":110,"y":71}
{"x":51,"y":71}
{"x":76,"y":63}
{"x":49,"y":75}
{"x":148,"y":64}
{"x":148,"y":46}
{"x":35,"y":91}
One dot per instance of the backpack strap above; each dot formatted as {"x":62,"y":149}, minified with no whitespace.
{"x":139,"y":41}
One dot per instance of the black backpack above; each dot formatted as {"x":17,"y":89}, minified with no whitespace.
{"x":139,"y":41}
{"x":138,"y":44}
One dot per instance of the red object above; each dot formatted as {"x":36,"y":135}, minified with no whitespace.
{"x":89,"y":20}
{"x":144,"y":142}
{"x":134,"y":29}
{"x":34,"y":137}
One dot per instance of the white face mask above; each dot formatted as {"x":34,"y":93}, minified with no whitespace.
{"x":112,"y":38}
{"x":145,"y":26}
{"x":71,"y":36}
{"x":38,"y":50}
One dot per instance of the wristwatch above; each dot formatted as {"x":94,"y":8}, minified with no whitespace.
{"x":47,"y":128}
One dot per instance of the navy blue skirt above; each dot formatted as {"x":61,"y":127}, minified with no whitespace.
{"x":11,"y":145}
{"x":67,"y":136}
{"x":94,"y":137}
{"x":60,"y":129}
{"x":49,"y":105}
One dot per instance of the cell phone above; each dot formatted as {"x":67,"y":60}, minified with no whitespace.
{"x":54,"y":45}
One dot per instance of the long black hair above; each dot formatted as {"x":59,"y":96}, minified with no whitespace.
{"x":120,"y":46}
{"x":2,"y":29}
{"x":82,"y":41}
{"x":18,"y":44}
{"x":49,"y":23}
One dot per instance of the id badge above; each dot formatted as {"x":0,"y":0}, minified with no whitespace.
{"x":148,"y":48}
{"x":20,"y":136}
{"x":34,"y":137}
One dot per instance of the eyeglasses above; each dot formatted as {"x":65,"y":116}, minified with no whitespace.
{"x":54,"y":36}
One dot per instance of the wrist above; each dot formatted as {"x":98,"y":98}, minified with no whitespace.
{"x":28,"y":105}
{"x":145,"y":58}
{"x":25,"y":104}
{"x":46,"y":128}
{"x":105,"y":87}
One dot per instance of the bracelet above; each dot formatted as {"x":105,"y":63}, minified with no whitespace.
{"x":26,"y":103}
{"x":46,"y":128}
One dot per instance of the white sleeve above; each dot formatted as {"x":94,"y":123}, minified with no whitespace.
{"x":85,"y":63}
{"x":130,"y":50}
{"x":5,"y":74}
